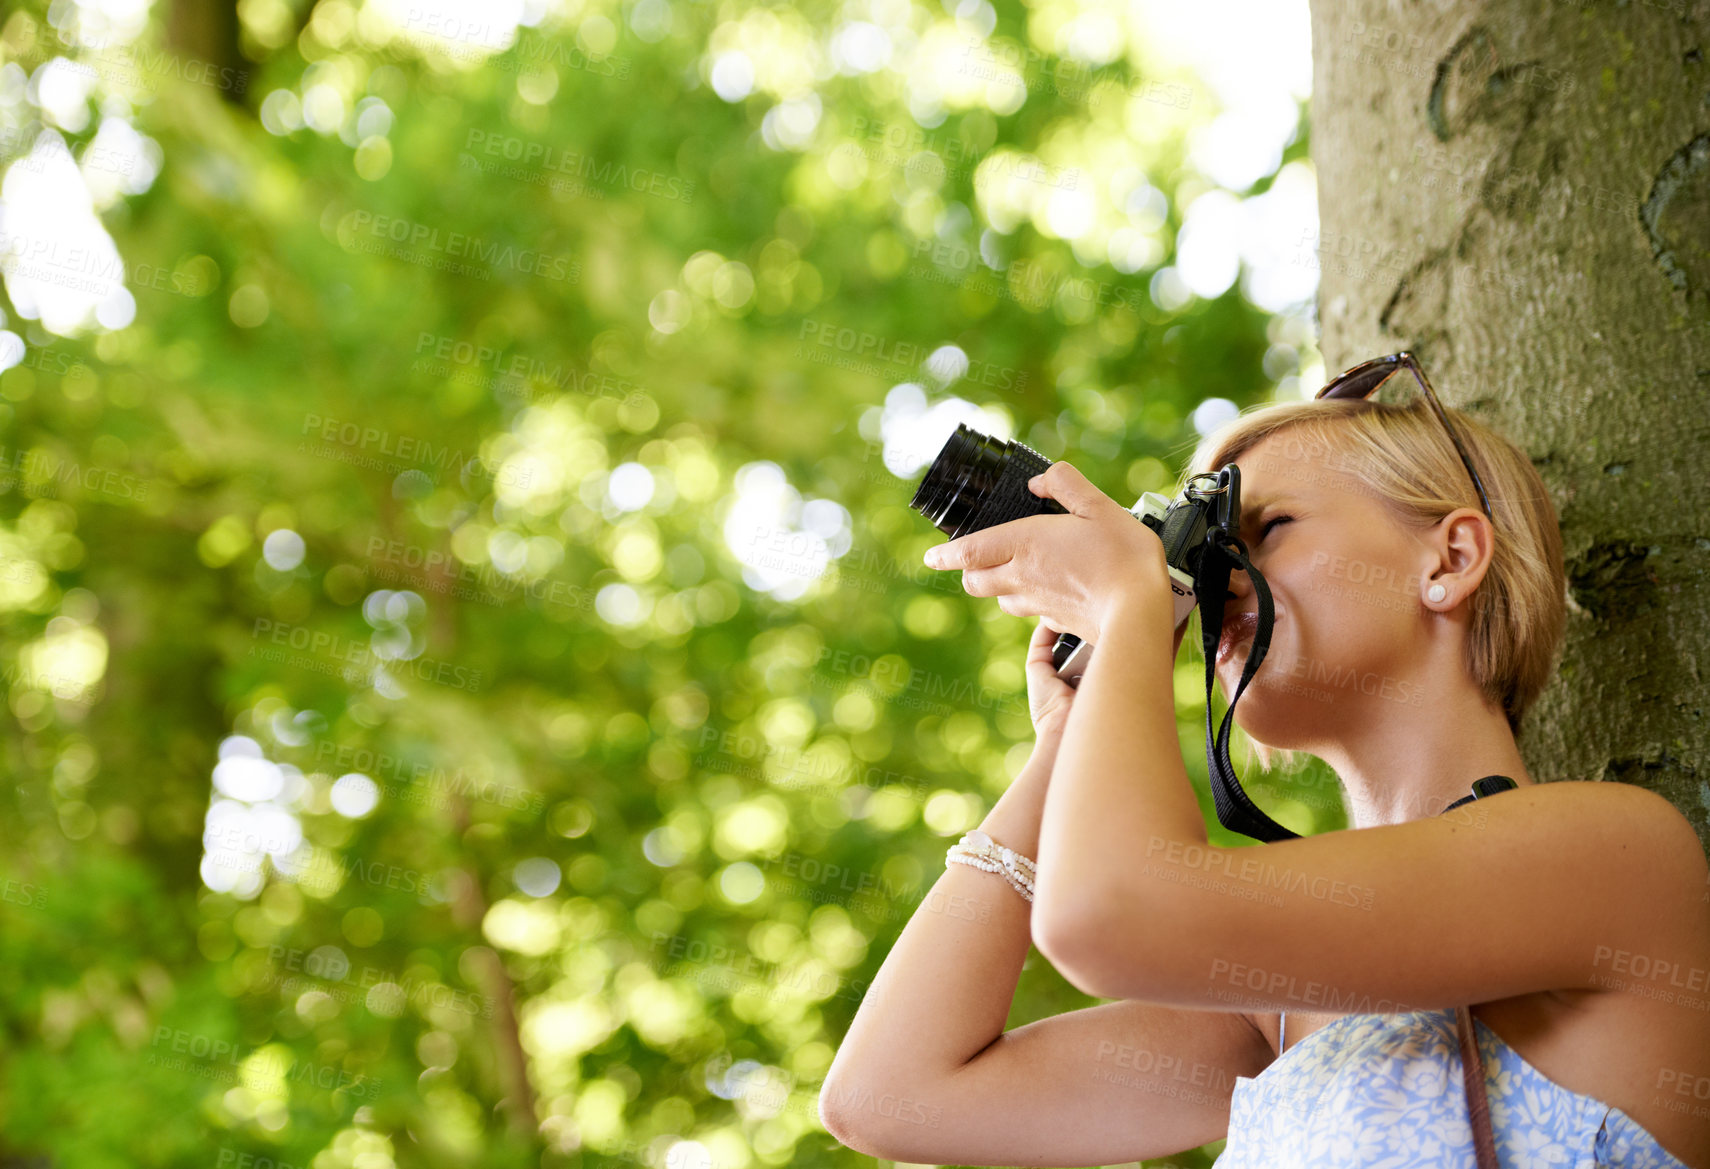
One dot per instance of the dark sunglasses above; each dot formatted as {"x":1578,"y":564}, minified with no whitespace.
{"x":1363,"y":379}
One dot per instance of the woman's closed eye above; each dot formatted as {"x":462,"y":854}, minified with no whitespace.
{"x":1272,"y":522}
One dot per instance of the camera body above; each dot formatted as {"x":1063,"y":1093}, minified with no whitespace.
{"x":1175,"y":521}
{"x":978,"y":481}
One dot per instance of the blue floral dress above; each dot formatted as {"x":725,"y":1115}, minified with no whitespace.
{"x":1385,"y":1092}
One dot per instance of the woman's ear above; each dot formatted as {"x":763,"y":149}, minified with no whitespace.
{"x":1462,"y":542}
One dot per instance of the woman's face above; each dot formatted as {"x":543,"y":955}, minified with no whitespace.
{"x":1345,"y":582}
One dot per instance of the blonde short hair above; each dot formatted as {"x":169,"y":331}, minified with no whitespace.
{"x":1403,"y":454}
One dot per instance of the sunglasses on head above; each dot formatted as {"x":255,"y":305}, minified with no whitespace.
{"x":1363,"y":380}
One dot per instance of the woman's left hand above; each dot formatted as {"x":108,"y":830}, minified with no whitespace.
{"x":1073,"y":570}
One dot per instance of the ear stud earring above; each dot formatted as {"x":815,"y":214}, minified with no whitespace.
{"x":1436,"y":592}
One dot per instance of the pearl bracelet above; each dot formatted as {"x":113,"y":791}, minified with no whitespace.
{"x":980,"y":851}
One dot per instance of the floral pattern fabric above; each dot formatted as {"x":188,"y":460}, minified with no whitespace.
{"x":1385,"y":1092}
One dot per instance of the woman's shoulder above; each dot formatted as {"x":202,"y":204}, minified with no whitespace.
{"x":1641,"y":808}
{"x":1626,"y":815}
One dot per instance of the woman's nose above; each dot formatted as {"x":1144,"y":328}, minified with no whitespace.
{"x":1239,"y":583}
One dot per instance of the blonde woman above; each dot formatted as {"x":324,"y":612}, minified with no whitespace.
{"x":1299,"y":997}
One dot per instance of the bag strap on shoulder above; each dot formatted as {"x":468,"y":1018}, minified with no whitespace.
{"x":1472,"y":1059}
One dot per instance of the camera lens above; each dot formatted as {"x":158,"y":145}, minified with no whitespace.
{"x":977,"y":481}
{"x":959,"y":479}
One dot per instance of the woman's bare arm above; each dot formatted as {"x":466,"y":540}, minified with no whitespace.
{"x":927,"y":1073}
{"x":945,"y":989}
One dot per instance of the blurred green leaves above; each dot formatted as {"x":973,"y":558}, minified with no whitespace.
{"x":423,"y":461}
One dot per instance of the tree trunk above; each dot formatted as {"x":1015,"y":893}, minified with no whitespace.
{"x":1520,"y":193}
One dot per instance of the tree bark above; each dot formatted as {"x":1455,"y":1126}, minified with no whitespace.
{"x":1520,"y":193}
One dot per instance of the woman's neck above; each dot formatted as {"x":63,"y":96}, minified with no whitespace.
{"x":1416,"y":762}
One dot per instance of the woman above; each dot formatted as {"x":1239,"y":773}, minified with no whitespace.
{"x":1412,"y":632}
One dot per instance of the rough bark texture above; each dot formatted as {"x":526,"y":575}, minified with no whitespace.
{"x":1520,"y":192}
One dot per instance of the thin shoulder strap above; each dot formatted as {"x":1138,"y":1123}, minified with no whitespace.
{"x":1472,"y":1077}
{"x":1472,"y":1059}
{"x":1282,"y":1030}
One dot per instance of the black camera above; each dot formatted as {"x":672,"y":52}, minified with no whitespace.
{"x":977,"y":481}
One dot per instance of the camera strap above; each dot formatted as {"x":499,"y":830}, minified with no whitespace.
{"x":1223,"y":551}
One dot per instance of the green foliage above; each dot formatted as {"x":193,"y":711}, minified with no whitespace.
{"x":648,"y":281}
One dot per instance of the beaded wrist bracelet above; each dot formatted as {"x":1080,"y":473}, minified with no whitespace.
{"x":980,"y":851}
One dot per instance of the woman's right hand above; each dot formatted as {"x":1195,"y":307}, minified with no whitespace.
{"x":1048,"y":696}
